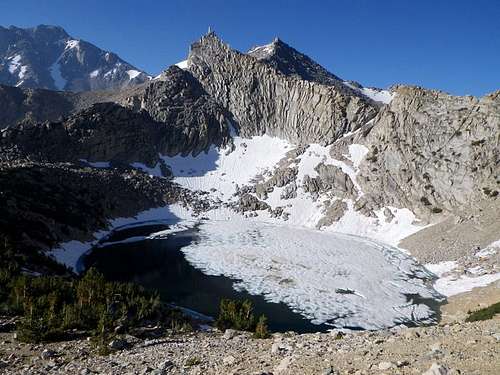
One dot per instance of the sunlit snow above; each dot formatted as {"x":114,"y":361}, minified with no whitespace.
{"x":55,"y":72}
{"x":383,"y":96}
{"x":182,"y":64}
{"x":450,"y":283}
{"x":132,"y":73}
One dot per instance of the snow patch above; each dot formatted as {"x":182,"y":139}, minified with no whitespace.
{"x":489,"y":250}
{"x":182,"y":64}
{"x":401,"y":226}
{"x":97,"y":164}
{"x":94,"y":73}
{"x":224,"y":170}
{"x":357,"y":154}
{"x":133,"y":74}
{"x":450,"y":284}
{"x":14,"y":63}
{"x":266,"y":49}
{"x":439,"y":269}
{"x":55,"y":72}
{"x":383,"y":96}
{"x":70,"y":44}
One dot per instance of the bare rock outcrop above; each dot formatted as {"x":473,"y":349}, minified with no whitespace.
{"x":333,"y":213}
{"x":265,"y":101}
{"x":248,"y":202}
{"x":171,"y":116}
{"x":433,"y":152}
{"x":330,"y":179}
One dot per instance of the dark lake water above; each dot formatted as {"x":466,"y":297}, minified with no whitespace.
{"x":160,"y":265}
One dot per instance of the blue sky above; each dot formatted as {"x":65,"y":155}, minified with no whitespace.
{"x":452,"y":45}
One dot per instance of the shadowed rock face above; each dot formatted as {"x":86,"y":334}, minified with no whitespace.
{"x":170,"y":116}
{"x":47,"y":57}
{"x":263,"y":100}
{"x":43,"y":204}
{"x":292,"y":63}
{"x":179,"y":100}
{"x":431,"y":151}
{"x":17,"y":105}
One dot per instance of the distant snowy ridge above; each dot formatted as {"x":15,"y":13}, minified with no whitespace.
{"x":47,"y":57}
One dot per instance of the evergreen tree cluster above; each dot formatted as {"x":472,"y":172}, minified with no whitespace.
{"x":239,"y":315}
{"x":51,"y":307}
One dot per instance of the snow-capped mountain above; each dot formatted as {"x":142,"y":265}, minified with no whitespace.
{"x":47,"y":57}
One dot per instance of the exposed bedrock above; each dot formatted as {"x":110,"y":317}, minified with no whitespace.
{"x":330,"y":179}
{"x":174,"y":116}
{"x":263,"y":100}
{"x":248,"y":202}
{"x":433,"y":152}
{"x":333,"y":213}
{"x":281,"y":177}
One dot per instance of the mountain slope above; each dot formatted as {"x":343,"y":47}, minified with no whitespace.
{"x":47,"y":57}
{"x":311,"y":153}
{"x":168,"y":116}
{"x":264,"y":101}
{"x":290,"y":62}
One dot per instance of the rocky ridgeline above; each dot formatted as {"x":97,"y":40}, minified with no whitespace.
{"x":290,"y":62}
{"x":169,"y":116}
{"x":179,"y":101}
{"x":432,"y":152}
{"x":265,"y":101}
{"x":20,"y":105}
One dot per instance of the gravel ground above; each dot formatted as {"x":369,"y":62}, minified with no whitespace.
{"x":456,"y":237}
{"x":465,"y":348}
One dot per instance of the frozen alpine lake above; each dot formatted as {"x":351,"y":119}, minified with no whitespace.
{"x":333,"y":278}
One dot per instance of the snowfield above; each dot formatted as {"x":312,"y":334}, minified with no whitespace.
{"x":451,"y":282}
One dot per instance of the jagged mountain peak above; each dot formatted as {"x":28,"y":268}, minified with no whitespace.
{"x":291,"y":62}
{"x":46,"y":56}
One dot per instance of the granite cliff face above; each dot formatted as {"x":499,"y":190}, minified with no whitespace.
{"x":265,"y":101}
{"x":47,"y":57}
{"x":433,"y":152}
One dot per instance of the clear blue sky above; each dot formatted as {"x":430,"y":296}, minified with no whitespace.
{"x":453,"y":45}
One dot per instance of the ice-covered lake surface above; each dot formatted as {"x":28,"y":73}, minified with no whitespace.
{"x":158,"y":263}
{"x":337,"y":279}
{"x":290,"y":273}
